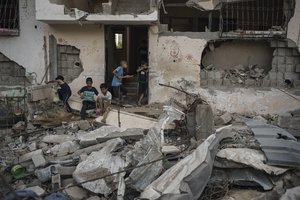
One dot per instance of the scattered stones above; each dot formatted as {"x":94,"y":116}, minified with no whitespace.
{"x":39,"y":160}
{"x":76,"y":193}
{"x":20,"y":126}
{"x":64,"y":148}
{"x":57,"y":139}
{"x":38,"y":190}
{"x":224,"y":119}
{"x":32,"y":146}
{"x":28,"y":156}
{"x":84,"y":125}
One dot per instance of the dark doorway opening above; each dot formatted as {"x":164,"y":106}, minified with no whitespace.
{"x":129,"y":43}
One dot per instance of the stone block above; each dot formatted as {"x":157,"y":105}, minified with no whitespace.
{"x":289,"y":60}
{"x":76,"y":193}
{"x":281,"y":51}
{"x":296,"y":52}
{"x":274,"y":68}
{"x":219,"y":74}
{"x":227,"y":82}
{"x":291,"y":76}
{"x":84,"y":125}
{"x":272,"y":75}
{"x":56,"y":182}
{"x":250,"y":82}
{"x":296,"y":60}
{"x":210,"y":82}
{"x":289,"y":52}
{"x":218,"y":82}
{"x":204,"y":121}
{"x":281,"y":68}
{"x":57,"y":139}
{"x":297,"y":68}
{"x":28,"y":156}
{"x":290,"y":68}
{"x":280,"y":76}
{"x":273,"y":83}
{"x":224,"y":119}
{"x":203,"y":74}
{"x":39,"y":160}
{"x":203,"y":82}
{"x":38,"y":190}
{"x":210,"y":74}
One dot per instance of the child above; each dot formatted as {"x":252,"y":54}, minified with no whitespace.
{"x":117,"y":80}
{"x":87,"y":93}
{"x":64,"y":92}
{"x":103,"y":101}
{"x":142,"y":71}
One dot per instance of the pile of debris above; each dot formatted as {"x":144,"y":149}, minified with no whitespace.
{"x":239,"y":73}
{"x":179,"y":157}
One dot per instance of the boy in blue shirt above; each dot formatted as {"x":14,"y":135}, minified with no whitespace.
{"x":87,"y":93}
{"x":117,"y":80}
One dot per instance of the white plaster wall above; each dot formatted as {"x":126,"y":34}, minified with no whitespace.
{"x":173,"y":61}
{"x":294,"y":26}
{"x":28,"y":48}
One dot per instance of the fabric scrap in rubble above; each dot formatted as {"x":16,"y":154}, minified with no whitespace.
{"x":251,"y":157}
{"x":99,"y":164}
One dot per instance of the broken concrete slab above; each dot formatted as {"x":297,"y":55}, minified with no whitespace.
{"x":32,"y":146}
{"x":56,"y":182}
{"x":84,"y":125}
{"x":170,"y":150}
{"x":64,"y":148}
{"x":130,"y":133}
{"x":58,"y":139}
{"x":291,"y":194}
{"x":250,"y":157}
{"x":98,"y":164}
{"x":39,"y":160}
{"x":128,"y":120}
{"x":90,"y":138}
{"x":28,"y":156}
{"x":224,"y":119}
{"x":36,"y":189}
{"x":76,"y":193}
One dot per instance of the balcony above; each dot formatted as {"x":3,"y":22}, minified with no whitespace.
{"x":131,"y":12}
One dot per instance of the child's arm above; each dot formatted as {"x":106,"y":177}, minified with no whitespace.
{"x":80,"y":93}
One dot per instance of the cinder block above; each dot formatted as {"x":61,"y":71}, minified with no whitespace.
{"x":273,"y":43}
{"x":218,"y":82}
{"x":274,"y":68}
{"x":210,"y":82}
{"x":272,"y":75}
{"x":56,"y":182}
{"x":297,"y":68}
{"x":203,"y":82}
{"x":296,"y":52}
{"x":210,"y":74}
{"x":296,"y":60}
{"x":290,"y":68}
{"x":296,"y":83}
{"x":203,"y":74}
{"x":281,"y":43}
{"x":278,"y":60}
{"x":273,"y":83}
{"x":281,"y":51}
{"x":281,"y":68}
{"x":219,"y":74}
{"x":289,"y":60}
{"x":280,"y":76}
{"x":291,"y":76}
{"x":38,"y":160}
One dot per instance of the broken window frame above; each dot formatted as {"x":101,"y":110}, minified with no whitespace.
{"x":9,"y":11}
{"x":121,"y":45}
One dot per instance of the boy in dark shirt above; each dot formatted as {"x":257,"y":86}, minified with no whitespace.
{"x":87,"y":93}
{"x":64,"y":92}
{"x":142,"y":71}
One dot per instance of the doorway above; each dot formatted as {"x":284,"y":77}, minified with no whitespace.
{"x":129,"y":43}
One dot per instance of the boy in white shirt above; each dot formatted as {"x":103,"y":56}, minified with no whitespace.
{"x":103,"y":101}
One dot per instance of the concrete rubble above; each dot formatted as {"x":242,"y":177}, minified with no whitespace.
{"x":89,"y":160}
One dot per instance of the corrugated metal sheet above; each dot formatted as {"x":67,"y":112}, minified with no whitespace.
{"x":279,"y":146}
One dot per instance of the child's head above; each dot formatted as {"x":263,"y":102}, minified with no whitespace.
{"x":60,"y":77}
{"x":124,"y":64}
{"x":89,"y":82}
{"x":144,"y":64}
{"x":103,"y":88}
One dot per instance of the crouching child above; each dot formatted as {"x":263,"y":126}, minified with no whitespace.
{"x":104,"y":101}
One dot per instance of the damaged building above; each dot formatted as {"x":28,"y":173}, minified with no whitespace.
{"x":224,"y":81}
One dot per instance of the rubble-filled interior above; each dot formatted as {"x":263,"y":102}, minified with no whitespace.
{"x":250,"y":63}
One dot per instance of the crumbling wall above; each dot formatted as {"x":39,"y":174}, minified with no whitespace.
{"x":174,"y":60}
{"x":11,"y":74}
{"x":69,"y":63}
